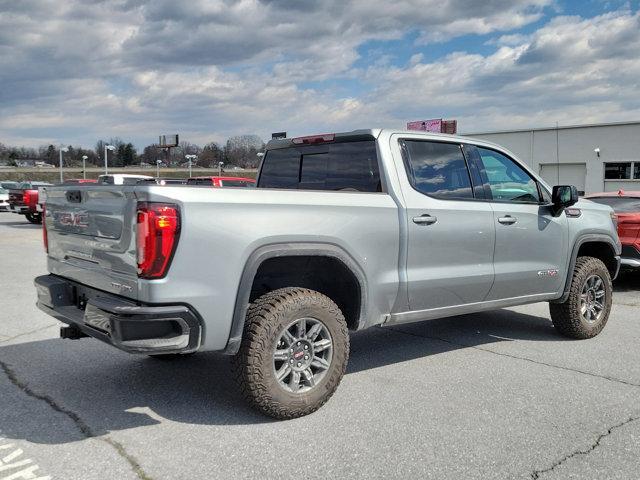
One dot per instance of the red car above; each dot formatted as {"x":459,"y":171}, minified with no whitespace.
{"x":222,"y":181}
{"x":72,"y":181}
{"x":24,"y":200}
{"x":626,"y":206}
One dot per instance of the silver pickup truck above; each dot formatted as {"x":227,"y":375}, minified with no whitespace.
{"x":343,"y":232}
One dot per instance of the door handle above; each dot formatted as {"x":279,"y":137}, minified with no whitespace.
{"x":507,"y":220}
{"x":425,"y":219}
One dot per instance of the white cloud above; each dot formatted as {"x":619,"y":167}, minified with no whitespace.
{"x":571,"y":70}
{"x":81,"y":70}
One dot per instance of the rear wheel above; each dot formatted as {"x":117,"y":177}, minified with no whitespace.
{"x":585,"y":313}
{"x":34,"y":217}
{"x":294,"y":352}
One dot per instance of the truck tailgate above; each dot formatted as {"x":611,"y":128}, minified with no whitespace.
{"x":91,"y":236}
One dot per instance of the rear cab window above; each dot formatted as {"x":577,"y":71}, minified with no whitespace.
{"x":339,"y":166}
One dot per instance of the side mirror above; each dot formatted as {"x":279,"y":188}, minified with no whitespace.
{"x":563,"y":196}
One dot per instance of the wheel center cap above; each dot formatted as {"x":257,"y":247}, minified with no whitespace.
{"x":301,"y":355}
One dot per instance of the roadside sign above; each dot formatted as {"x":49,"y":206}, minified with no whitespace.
{"x":167,"y":141}
{"x":436,"y":125}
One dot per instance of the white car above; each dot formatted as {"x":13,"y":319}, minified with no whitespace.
{"x":122,"y":179}
{"x":4,"y":200}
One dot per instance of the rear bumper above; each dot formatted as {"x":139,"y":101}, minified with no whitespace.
{"x":134,"y":328}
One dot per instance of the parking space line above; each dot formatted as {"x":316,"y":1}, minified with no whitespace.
{"x":82,"y":426}
{"x":11,"y":460}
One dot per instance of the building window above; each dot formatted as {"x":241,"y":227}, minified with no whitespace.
{"x":636,"y":170}
{"x":617,"y":171}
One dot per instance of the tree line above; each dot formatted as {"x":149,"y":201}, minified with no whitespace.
{"x":241,"y":151}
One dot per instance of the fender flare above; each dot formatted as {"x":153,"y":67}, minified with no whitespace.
{"x":590,"y":237}
{"x":285,"y":250}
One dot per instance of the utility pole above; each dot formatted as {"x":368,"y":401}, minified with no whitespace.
{"x":61,"y":174}
{"x":190,"y":158}
{"x":106,"y":165}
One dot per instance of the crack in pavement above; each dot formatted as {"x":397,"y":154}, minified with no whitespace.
{"x":7,"y":339}
{"x":82,"y":426}
{"x":535,"y":475}
{"x":525,"y":359}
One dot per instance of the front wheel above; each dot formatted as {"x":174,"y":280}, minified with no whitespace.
{"x":585,"y":313}
{"x":294,"y":352}
{"x":34,"y":217}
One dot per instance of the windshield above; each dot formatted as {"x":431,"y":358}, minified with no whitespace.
{"x":2,"y":190}
{"x":620,"y":204}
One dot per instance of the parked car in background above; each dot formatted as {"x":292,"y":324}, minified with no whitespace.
{"x":222,"y":181}
{"x":10,"y":185}
{"x":123,"y":179}
{"x":171,"y":181}
{"x":4,"y":200}
{"x":74,"y":181}
{"x":626,"y":206}
{"x":24,"y":200}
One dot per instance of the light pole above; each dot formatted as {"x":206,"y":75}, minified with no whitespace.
{"x":191,"y":158}
{"x":62,"y":150}
{"x":158,"y":162}
{"x":106,"y":149}
{"x":84,"y":167}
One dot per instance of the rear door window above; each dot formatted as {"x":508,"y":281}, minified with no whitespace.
{"x":437,"y":169}
{"x":347,"y":166}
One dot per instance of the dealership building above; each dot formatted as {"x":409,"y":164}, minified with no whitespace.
{"x":594,"y":158}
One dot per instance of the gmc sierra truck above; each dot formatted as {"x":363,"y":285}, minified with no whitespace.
{"x":343,"y":232}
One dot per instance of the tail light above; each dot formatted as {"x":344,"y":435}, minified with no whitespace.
{"x":26,"y":197}
{"x":313,"y":139}
{"x":158,"y":230}
{"x":45,"y":237}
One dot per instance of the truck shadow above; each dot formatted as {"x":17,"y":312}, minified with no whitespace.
{"x":108,"y":390}
{"x":627,"y":281}
{"x":23,"y":225}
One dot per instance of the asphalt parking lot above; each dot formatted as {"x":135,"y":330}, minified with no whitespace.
{"x":495,"y":395}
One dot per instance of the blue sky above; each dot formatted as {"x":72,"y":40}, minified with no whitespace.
{"x":76,"y":71}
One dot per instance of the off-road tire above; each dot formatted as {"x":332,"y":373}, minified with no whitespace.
{"x":253,"y":365}
{"x":566,"y":316}
{"x":35,"y":218}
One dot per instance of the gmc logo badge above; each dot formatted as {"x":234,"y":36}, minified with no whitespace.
{"x":71,"y":219}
